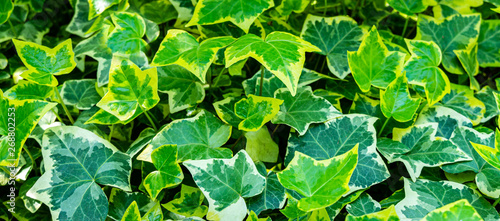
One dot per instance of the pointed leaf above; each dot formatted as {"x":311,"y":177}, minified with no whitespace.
{"x":468,"y":59}
{"x":126,"y":37}
{"x":120,"y":200}
{"x":447,"y":119}
{"x":490,"y":155}
{"x":272,"y":197}
{"x":409,"y":7}
{"x":6,"y":8}
{"x":168,"y":174}
{"x":462,"y":100}
{"x":459,"y":210}
{"x":99,"y":6}
{"x":260,"y":146}
{"x":256,"y":111}
{"x":488,"y":53}
{"x":25,"y":90}
{"x":387,"y":214}
{"x":365,"y":204}
{"x":80,"y":93}
{"x":225,"y":111}
{"x":189,"y":203}
{"x":397,"y":102}
{"x":97,"y":48}
{"x":132,"y":213}
{"x":287,"y":6}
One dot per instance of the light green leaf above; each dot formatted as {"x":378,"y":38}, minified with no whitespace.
{"x":489,"y":154}
{"x":80,"y":93}
{"x":303,"y":109}
{"x":272,"y":197}
{"x":424,"y":196}
{"x":225,"y":193}
{"x":225,"y":110}
{"x":126,"y":37}
{"x":132,"y":213}
{"x":397,"y":102}
{"x":120,"y":200}
{"x":149,"y":10}
{"x":25,"y":90}
{"x":487,"y":96}
{"x":256,"y":111}
{"x":364,"y":205}
{"x":338,"y":136}
{"x":447,"y":119}
{"x":260,"y":146}
{"x":97,"y":48}
{"x":196,"y":138}
{"x":456,"y":32}
{"x":409,"y":7}
{"x":321,"y":183}
{"x":181,"y":48}
{"x":332,"y":97}
{"x":287,"y":6}
{"x":459,"y":210}
{"x":373,"y":64}
{"x":468,"y":59}
{"x":189,"y":203}
{"x":422,"y":69}
{"x":183,"y":88}
{"x":291,"y":211}
{"x":488,"y":52}
{"x":168,"y":174}
{"x":334,"y":36}
{"x":43,"y":63}
{"x":242,"y":13}
{"x":131,"y":90}
{"x":6,"y":8}
{"x":97,"y":7}
{"x":388,"y":214}
{"x":462,"y":100}
{"x":281,"y":53}
{"x":76,"y":161}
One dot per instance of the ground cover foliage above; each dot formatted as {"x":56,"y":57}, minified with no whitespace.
{"x":249,"y":110}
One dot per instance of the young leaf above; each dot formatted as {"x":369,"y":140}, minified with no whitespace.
{"x":80,"y":93}
{"x":132,"y":213}
{"x":281,"y":53}
{"x":409,"y":7}
{"x":459,"y":210}
{"x":260,"y":146}
{"x":181,"y":48}
{"x":422,"y":69}
{"x":189,"y":203}
{"x":120,"y":200}
{"x":397,"y":102}
{"x":287,"y":6}
{"x":365,"y":204}
{"x":242,"y":13}
{"x":131,"y":90}
{"x":490,"y":155}
{"x":97,"y":7}
{"x":456,"y":32}
{"x":43,"y":63}
{"x":321,"y":183}
{"x":256,"y":111}
{"x":225,"y":193}
{"x":488,"y":44}
{"x":462,"y":100}
{"x":334,"y":36}
{"x":76,"y":161}
{"x":126,"y":37}
{"x":168,"y":172}
{"x":387,"y":214}
{"x":468,"y":59}
{"x":303,"y":109}
{"x":225,"y":110}
{"x":373,"y":64}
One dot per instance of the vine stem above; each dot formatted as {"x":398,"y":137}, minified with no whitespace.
{"x":111,"y":132}
{"x":31,"y":157}
{"x":237,"y":141}
{"x":64,"y":106}
{"x":57,"y":115}
{"x":406,"y":26}
{"x":151,"y":121}
{"x":324,"y":11}
{"x":262,"y":69}
{"x":383,"y":126}
{"x":275,"y":129}
{"x":496,"y":202}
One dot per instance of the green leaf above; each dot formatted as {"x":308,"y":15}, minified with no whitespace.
{"x":302,"y":110}
{"x":183,"y":88}
{"x":462,"y":100}
{"x":489,"y":154}
{"x":196,"y":138}
{"x":76,"y":161}
{"x":256,"y":111}
{"x":409,"y":7}
{"x":132,"y":213}
{"x":487,"y":96}
{"x":397,"y":102}
{"x":468,"y":59}
{"x":373,"y":64}
{"x":80,"y":93}
{"x":80,"y":23}
{"x":334,"y":36}
{"x":25,"y":90}
{"x":272,"y":197}
{"x":154,"y":214}
{"x":365,"y":204}
{"x":321,"y":183}
{"x":287,"y":6}
{"x":97,"y":48}
{"x":120,"y":200}
{"x":338,"y":136}
{"x":6,"y":7}
{"x":168,"y":174}
{"x":189,"y":203}
{"x":242,"y":13}
{"x":422,"y":69}
{"x":225,"y":193}
{"x":447,"y":119}
{"x":131,"y":90}
{"x":260,"y":146}
{"x":126,"y":37}
{"x":488,"y":52}
{"x":225,"y":110}
{"x":43,"y":63}
{"x":291,"y":211}
{"x":456,"y":32}
{"x":150,"y":11}
{"x":181,"y":48}
{"x":424,"y":196}
{"x":459,"y":210}
{"x":97,"y":7}
{"x":281,"y":53}
{"x":388,"y":214}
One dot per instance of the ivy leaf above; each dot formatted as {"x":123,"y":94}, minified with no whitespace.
{"x":387,"y":214}
{"x":468,"y":59}
{"x":260,"y":146}
{"x":456,"y":32}
{"x":487,"y":96}
{"x":409,"y":7}
{"x":272,"y":197}
{"x":6,"y":8}
{"x":490,"y":155}
{"x":189,"y":203}
{"x":43,"y":63}
{"x":447,"y":119}
{"x":97,"y":48}
{"x":422,"y":69}
{"x":334,"y":36}
{"x":225,"y":110}
{"x":397,"y":102}
{"x":131,"y":90}
{"x":303,"y":109}
{"x":338,"y":136}
{"x":80,"y":23}
{"x":196,"y":138}
{"x":132,"y":213}
{"x":373,"y":64}
{"x":80,"y":93}
{"x":488,"y":53}
{"x":321,"y":183}
{"x":256,"y":111}
{"x":225,"y":193}
{"x":365,"y":204}
{"x":76,"y":161}
{"x":26,"y":90}
{"x":242,"y":13}
{"x":424,"y":196}
{"x":120,"y":200}
{"x":168,"y":172}
{"x":126,"y":37}
{"x":97,"y":7}
{"x":287,"y":6}
{"x":462,"y":100}
{"x":459,"y":210}
{"x":183,"y":88}
{"x":181,"y":48}
{"x":281,"y":53}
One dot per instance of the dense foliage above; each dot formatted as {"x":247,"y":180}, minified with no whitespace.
{"x":249,"y":110}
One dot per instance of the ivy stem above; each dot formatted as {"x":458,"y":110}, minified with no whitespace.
{"x":111,"y":132}
{"x":323,"y":65}
{"x":496,"y":202}
{"x":324,"y":11}
{"x":218,"y":77}
{"x":151,"y":121}
{"x":12,"y":27}
{"x":131,"y":129}
{"x":5,"y":170}
{"x":237,"y":141}
{"x":64,"y":106}
{"x":275,"y":129}
{"x":261,"y":79}
{"x":383,"y":126}
{"x":404,"y":29}
{"x":57,"y":115}
{"x":31,"y":157}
